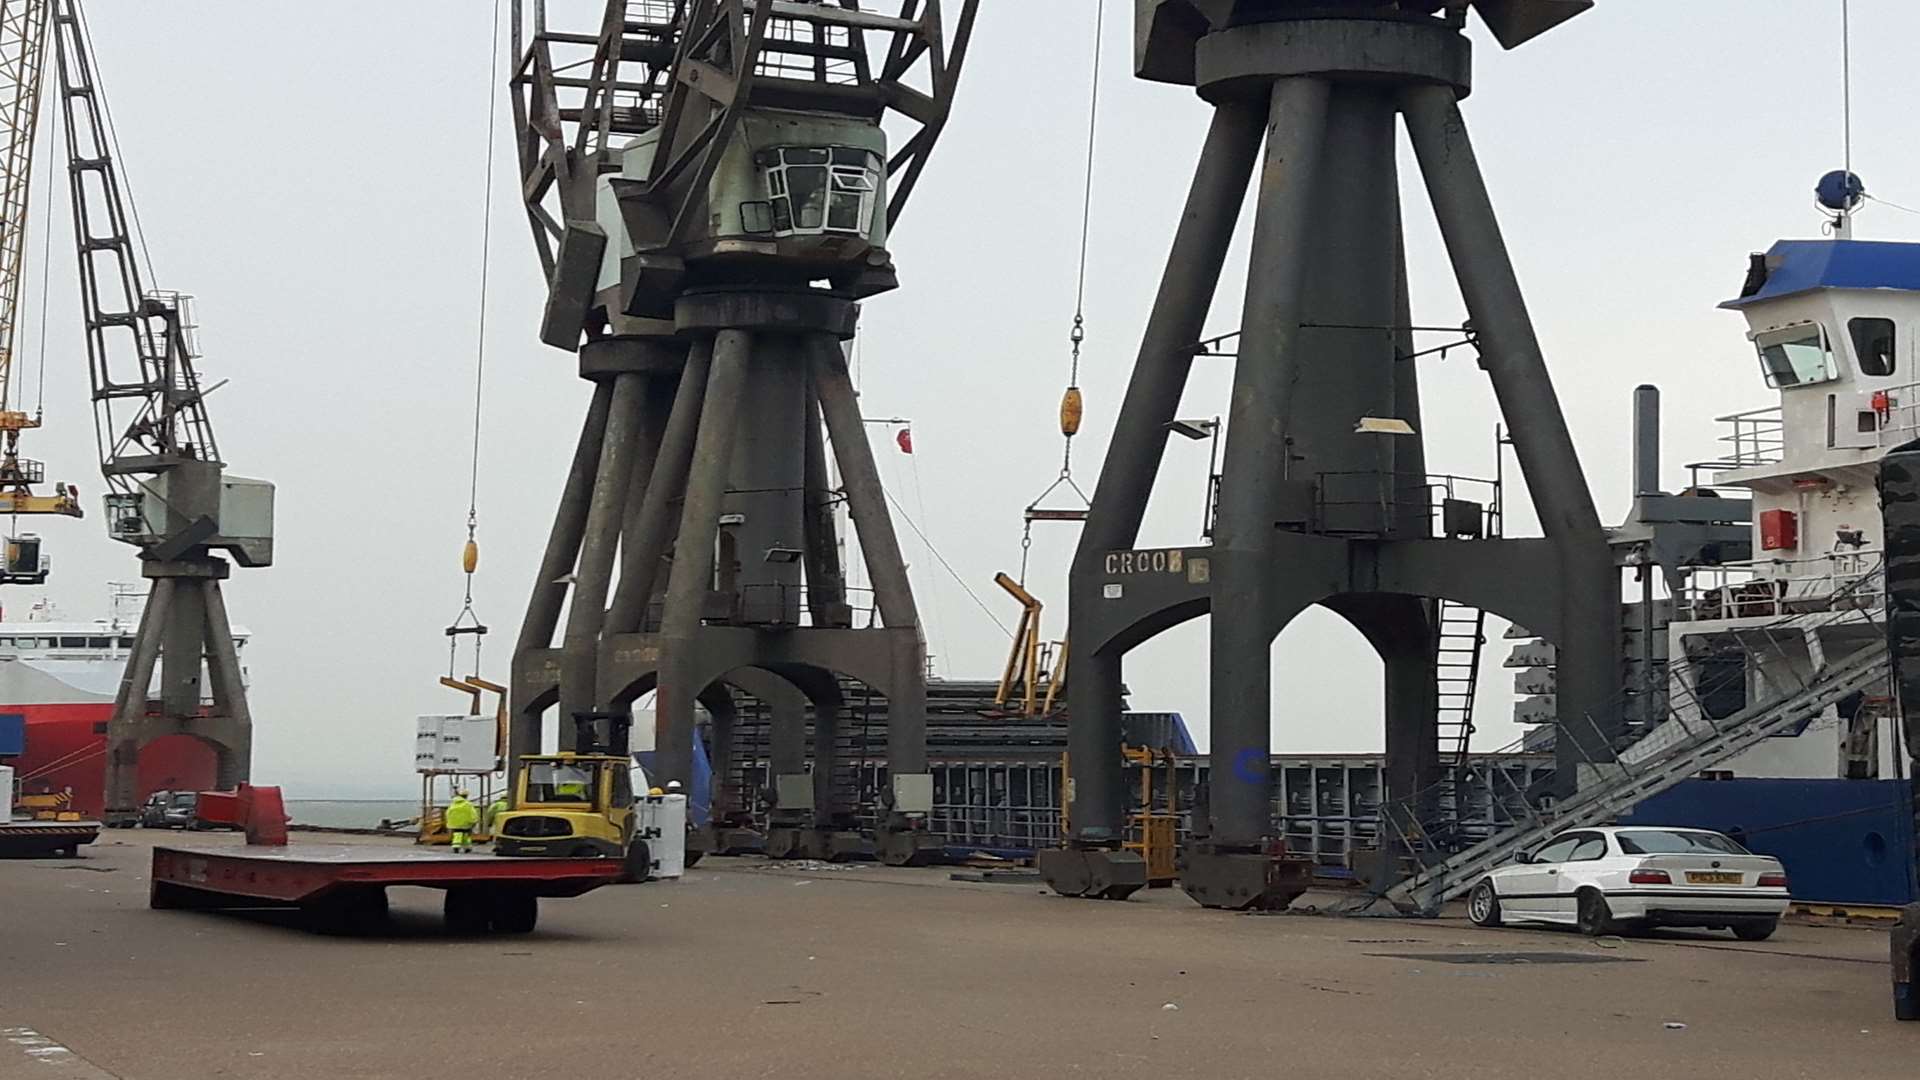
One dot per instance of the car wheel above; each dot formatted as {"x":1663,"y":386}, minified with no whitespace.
{"x":1595,"y":918}
{"x":1755,"y":931}
{"x":1483,"y":906}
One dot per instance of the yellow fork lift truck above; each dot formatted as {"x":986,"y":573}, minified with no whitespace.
{"x":579,"y":803}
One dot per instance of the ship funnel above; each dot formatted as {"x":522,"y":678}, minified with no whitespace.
{"x":1646,"y":441}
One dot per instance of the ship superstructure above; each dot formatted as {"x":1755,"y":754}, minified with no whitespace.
{"x":1833,"y":324}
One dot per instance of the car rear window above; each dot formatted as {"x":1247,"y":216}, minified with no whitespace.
{"x":1676,"y":842}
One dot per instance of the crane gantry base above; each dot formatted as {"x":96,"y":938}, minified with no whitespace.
{"x":184,"y":621}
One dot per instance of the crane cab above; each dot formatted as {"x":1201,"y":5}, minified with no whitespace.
{"x":21,"y":562}
{"x":796,"y":196}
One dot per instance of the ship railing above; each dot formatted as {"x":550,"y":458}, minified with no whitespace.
{"x":1754,"y":437}
{"x":1771,"y":588}
{"x":1899,"y":410}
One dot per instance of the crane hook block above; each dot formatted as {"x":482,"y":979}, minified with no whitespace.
{"x":1070,"y":409}
{"x":470,"y":558}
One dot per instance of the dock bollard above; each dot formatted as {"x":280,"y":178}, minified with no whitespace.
{"x":1906,"y":964}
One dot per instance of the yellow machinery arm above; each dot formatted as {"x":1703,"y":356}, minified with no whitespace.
{"x":474,"y":686}
{"x":1027,"y":661}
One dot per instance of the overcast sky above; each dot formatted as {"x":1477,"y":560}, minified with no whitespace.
{"x":314,"y":175}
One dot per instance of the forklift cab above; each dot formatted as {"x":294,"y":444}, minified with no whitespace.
{"x":593,"y":781}
{"x":569,"y":805}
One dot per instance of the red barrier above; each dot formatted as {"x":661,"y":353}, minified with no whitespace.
{"x":263,"y":814}
{"x":218,"y":808}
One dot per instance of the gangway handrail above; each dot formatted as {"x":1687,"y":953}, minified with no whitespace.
{"x":1427,"y":889}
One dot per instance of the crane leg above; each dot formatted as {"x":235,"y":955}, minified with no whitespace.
{"x":692,"y":574}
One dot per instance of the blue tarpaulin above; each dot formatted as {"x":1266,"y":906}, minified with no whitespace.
{"x":699,"y":792}
{"x":1797,"y":266}
{"x":13,"y":735}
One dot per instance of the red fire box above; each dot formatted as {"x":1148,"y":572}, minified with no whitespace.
{"x":1779,"y":530}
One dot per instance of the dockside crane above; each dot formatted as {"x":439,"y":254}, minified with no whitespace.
{"x":169,"y":495}
{"x":712,"y":185}
{"x":23,"y":36}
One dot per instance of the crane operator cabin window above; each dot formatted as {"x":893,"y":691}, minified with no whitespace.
{"x":816,"y":189}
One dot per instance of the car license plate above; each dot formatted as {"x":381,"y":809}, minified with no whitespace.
{"x":1712,"y":877}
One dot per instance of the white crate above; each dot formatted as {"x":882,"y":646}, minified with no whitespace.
{"x":456,"y":743}
{"x":661,"y":820}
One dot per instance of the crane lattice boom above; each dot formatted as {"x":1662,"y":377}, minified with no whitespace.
{"x":23,"y":36}
{"x":151,"y":411}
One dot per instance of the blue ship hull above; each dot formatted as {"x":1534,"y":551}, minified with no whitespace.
{"x":1843,"y":841}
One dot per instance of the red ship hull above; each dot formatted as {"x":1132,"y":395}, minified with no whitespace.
{"x":67,"y":749}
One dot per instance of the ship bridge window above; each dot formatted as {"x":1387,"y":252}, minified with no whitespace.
{"x":1873,"y":344}
{"x":73,"y":643}
{"x":99,"y":643}
{"x":816,"y":189}
{"x":1796,"y":356}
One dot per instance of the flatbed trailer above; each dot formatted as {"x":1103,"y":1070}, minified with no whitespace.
{"x":31,"y":838}
{"x":343,"y":887}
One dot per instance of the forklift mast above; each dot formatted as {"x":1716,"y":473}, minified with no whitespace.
{"x":609,"y":733}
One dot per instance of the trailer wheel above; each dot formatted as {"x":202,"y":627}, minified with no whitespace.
{"x":359,"y":910}
{"x":515,"y":911}
{"x":468,"y":910}
{"x":367,"y":908}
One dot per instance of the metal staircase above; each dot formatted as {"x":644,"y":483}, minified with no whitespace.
{"x":1614,"y":787}
{"x":1459,"y":639}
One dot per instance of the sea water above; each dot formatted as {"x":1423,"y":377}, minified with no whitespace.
{"x":350,"y":813}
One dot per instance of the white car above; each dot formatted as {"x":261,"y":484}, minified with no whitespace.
{"x":1606,"y":880}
